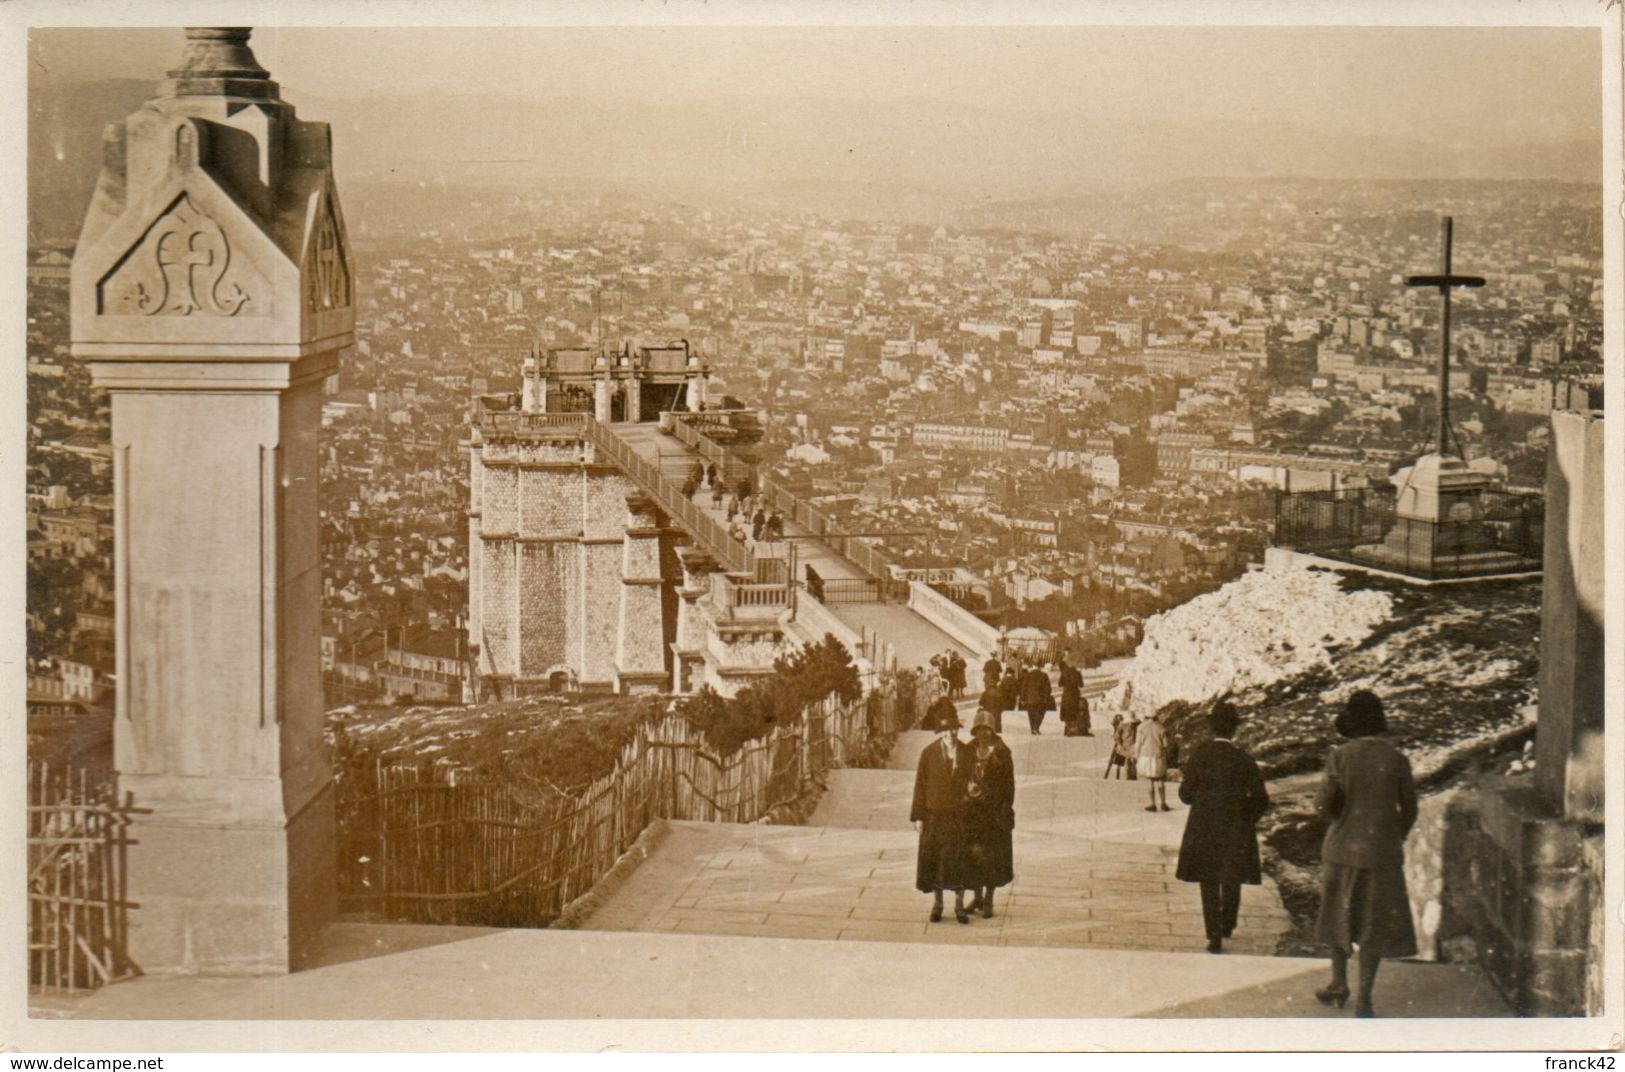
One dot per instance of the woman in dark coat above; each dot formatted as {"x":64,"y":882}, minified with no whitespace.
{"x":1036,"y":697}
{"x":956,"y":674}
{"x":992,"y":701}
{"x":1370,"y":799}
{"x":1071,"y":695}
{"x":991,"y":815}
{"x":1225,"y":791}
{"x":1010,"y":686}
{"x":941,"y":792}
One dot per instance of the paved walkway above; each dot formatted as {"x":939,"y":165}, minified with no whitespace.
{"x":915,"y":638}
{"x":821,"y":921}
{"x":450,"y":973}
{"x":1093,"y":868}
{"x":675,"y":461}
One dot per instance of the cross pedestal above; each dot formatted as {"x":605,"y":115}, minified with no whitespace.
{"x":1440,"y":487}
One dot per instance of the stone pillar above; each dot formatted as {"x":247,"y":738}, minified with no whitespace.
{"x":211,"y":294}
{"x":1568,"y":739}
{"x":634,"y":398}
{"x":533,"y":389}
{"x":602,"y":393}
{"x":640,"y":635}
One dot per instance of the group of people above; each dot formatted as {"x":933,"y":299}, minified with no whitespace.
{"x":749,"y":521}
{"x":964,"y":811}
{"x":950,"y":667}
{"x":1143,"y":748}
{"x":1027,"y":688}
{"x":764,"y":525}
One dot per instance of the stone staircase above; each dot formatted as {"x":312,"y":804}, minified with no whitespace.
{"x":1093,"y":869}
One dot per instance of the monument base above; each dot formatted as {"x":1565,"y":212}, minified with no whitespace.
{"x":1440,"y":487}
{"x":238,"y":894}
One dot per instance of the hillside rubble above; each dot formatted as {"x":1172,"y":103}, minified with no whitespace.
{"x":1259,"y":629}
{"x":1455,"y":665}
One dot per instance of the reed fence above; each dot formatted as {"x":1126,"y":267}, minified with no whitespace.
{"x":441,"y":845}
{"x":77,"y":912}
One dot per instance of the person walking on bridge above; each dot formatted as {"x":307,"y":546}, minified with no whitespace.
{"x":941,"y":793}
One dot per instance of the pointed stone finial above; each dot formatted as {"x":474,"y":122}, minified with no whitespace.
{"x":218,"y":62}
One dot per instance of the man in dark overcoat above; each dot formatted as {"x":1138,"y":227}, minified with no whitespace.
{"x":1036,"y":697}
{"x":941,"y":795}
{"x":991,"y":671}
{"x":1225,"y":791}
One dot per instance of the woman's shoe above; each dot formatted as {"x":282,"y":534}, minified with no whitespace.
{"x":1332,"y":995}
{"x":1215,"y":945}
{"x":961,"y":915}
{"x":936,"y":914}
{"x":987,"y":910}
{"x":1166,"y":808}
{"x":1364,"y":1010}
{"x":1151,"y":807}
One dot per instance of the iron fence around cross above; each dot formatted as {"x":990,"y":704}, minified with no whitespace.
{"x":1500,"y":533}
{"x":419,"y":843}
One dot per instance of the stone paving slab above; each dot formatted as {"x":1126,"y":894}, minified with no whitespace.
{"x":551,"y":974}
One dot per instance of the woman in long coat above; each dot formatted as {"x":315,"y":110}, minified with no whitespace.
{"x":1225,"y":791}
{"x":941,"y":793}
{"x":992,"y":702}
{"x":1370,"y":799}
{"x":991,"y":816}
{"x":1071,"y":697}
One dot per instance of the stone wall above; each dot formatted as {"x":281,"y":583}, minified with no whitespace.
{"x":1531,"y":892}
{"x":1494,"y":878}
{"x":1438,"y":874}
{"x":1591,"y":859}
{"x":549,"y":591}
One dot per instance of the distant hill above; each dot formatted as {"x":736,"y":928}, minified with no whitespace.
{"x":914,"y":159}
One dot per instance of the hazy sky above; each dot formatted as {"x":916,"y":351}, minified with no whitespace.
{"x":1527,"y":83}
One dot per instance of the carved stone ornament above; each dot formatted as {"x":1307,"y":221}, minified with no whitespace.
{"x":178,"y":269}
{"x":327,"y":277}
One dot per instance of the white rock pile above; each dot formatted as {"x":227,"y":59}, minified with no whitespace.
{"x":1254,"y":631}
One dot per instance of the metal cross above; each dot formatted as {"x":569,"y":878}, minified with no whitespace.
{"x":1444,"y":282}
